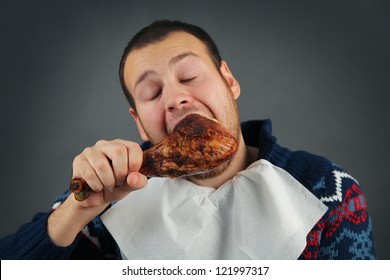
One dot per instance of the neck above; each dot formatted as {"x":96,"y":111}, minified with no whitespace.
{"x":244,"y":156}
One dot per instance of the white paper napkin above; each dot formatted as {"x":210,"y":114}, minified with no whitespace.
{"x":262,"y":213}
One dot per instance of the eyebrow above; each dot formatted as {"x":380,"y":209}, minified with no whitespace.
{"x":179,"y":57}
{"x":173,"y":61}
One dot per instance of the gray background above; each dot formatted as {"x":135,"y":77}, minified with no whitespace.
{"x":318,"y":69}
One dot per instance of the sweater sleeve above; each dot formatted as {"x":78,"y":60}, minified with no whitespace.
{"x":31,"y":241}
{"x":345,"y":231}
{"x":347,"y":228}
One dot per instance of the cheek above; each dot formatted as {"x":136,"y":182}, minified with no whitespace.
{"x":224,"y":106}
{"x":212,"y":94}
{"x":153,"y":122}
{"x":218,"y":99}
{"x":149,"y":112}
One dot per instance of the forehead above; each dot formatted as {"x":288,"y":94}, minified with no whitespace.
{"x":158,"y":54}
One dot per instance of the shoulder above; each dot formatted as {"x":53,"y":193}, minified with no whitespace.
{"x":345,"y":231}
{"x":317,"y":173}
{"x":328,"y":181}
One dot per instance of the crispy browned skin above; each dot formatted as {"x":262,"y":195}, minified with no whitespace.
{"x":196,"y":145}
{"x":80,"y":189}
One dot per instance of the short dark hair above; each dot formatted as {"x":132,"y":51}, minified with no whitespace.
{"x":157,"y":31}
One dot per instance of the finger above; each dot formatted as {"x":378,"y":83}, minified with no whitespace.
{"x":135,"y":155}
{"x":83,"y":169}
{"x":118,"y":154}
{"x":101,"y":166}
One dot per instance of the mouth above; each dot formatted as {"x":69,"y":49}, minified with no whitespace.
{"x":178,"y":120}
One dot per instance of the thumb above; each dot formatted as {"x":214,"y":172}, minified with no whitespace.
{"x":136,"y":181}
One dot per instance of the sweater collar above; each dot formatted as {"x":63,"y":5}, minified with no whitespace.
{"x":258,"y":133}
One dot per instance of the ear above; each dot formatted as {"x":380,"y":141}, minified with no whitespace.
{"x":231,"y":81}
{"x":139,"y":125}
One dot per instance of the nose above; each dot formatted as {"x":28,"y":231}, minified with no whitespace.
{"x":177,"y":98}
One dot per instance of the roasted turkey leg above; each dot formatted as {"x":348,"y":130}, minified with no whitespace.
{"x":196,"y":145}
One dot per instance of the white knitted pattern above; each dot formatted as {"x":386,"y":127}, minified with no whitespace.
{"x":337,"y":196}
{"x":93,"y":239}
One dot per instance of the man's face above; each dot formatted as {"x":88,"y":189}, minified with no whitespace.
{"x":175,"y":77}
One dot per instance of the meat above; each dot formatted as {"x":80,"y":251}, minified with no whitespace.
{"x":196,"y":145}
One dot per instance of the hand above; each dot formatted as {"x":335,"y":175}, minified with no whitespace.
{"x":111,"y":169}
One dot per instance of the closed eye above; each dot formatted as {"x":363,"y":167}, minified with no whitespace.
{"x":187,"y":80}
{"x":156,"y":94}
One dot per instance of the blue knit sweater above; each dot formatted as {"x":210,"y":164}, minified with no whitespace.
{"x":344,"y":232}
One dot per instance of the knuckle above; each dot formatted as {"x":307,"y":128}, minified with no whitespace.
{"x":89,"y":176}
{"x":134,"y":146}
{"x":76,"y":160}
{"x":100,"y":166}
{"x":88,"y":151}
{"x":120,"y":150}
{"x":101,"y":142}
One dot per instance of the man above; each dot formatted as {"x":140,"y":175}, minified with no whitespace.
{"x":169,"y":70}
